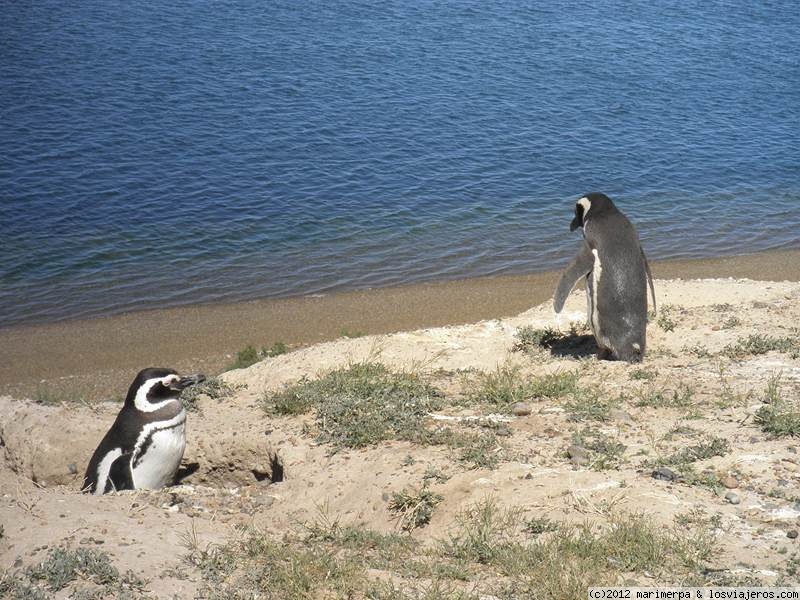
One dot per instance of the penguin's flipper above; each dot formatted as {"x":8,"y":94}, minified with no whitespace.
{"x":649,"y":280}
{"x":580,"y":266}
{"x":120,"y":476}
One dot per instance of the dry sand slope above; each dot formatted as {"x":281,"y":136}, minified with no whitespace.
{"x":690,"y":408}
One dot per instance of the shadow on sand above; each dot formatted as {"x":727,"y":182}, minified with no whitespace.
{"x":574,"y":345}
{"x":185,"y":471}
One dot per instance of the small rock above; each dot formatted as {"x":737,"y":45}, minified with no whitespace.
{"x":732,"y":497}
{"x":620,"y":415}
{"x":521,"y":409}
{"x":503,"y":430}
{"x":72,"y":468}
{"x":266,"y":501}
{"x":730,"y":482}
{"x":664,"y":474}
{"x":791,"y":534}
{"x":754,"y":440}
{"x":579,"y":455}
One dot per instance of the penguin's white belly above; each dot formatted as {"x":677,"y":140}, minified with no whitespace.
{"x":155,"y":465}
{"x":592,"y":285}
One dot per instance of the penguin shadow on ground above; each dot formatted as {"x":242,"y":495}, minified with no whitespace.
{"x":186,"y":470}
{"x":573,"y":345}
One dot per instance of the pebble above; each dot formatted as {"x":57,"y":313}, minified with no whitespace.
{"x":791,"y":534}
{"x":732,"y":497}
{"x":503,"y":430}
{"x":91,"y":540}
{"x":578,"y":455}
{"x":72,"y":468}
{"x":664,"y":474}
{"x":730,"y":482}
{"x":620,"y":415}
{"x":521,"y":409}
{"x":265,"y":501}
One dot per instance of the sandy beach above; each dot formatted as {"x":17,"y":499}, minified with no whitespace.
{"x":690,"y":450}
{"x":94,"y":359}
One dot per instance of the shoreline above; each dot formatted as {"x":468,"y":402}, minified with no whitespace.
{"x":94,"y":358}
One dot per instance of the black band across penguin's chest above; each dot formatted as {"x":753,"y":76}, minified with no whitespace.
{"x":145,"y":444}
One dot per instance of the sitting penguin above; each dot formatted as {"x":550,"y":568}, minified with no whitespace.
{"x":144,"y":447}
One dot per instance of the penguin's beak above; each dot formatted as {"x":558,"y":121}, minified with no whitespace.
{"x":576,"y":222}
{"x":188,"y":380}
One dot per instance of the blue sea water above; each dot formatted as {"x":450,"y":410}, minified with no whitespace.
{"x":155,"y":154}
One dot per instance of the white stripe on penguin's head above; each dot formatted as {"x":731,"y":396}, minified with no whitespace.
{"x":586,"y":204}
{"x":582,"y":207}
{"x":144,"y":404}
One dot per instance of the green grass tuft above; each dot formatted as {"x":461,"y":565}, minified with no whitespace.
{"x":367,"y":403}
{"x":781,"y":415}
{"x":245,"y":358}
{"x":709,"y":447}
{"x":606,"y":452}
{"x":756,"y":344}
{"x":251,"y":355}
{"x":361,"y":405}
{"x":731,"y":322}
{"x":680,"y":397}
{"x":590,"y":407}
{"x":85,"y":571}
{"x":640,"y":374}
{"x":529,"y":339}
{"x":540,"y":525}
{"x":213,"y":388}
{"x":414,"y":510}
{"x":506,"y":385}
{"x":667,"y":319}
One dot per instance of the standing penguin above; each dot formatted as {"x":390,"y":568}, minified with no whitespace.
{"x":145,"y":445}
{"x":617,"y":273}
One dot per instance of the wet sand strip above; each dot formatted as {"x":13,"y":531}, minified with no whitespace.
{"x":97,"y":358}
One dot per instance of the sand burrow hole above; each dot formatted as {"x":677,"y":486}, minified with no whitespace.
{"x":51,"y":445}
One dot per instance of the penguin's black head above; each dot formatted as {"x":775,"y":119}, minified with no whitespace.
{"x":154,"y":386}
{"x":596,"y":203}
